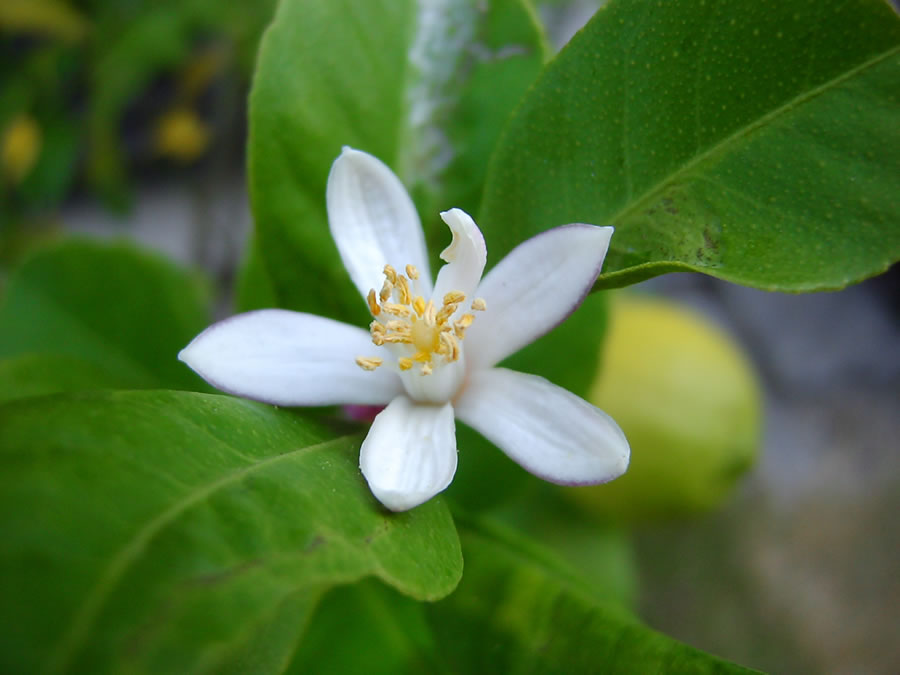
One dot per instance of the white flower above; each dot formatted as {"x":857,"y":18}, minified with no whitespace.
{"x":430,"y":352}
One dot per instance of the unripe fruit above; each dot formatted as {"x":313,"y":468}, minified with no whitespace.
{"x":689,"y":403}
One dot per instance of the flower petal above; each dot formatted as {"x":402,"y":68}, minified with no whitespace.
{"x":409,"y":454}
{"x":465,"y":256}
{"x":549,"y":431}
{"x":373,"y":220}
{"x":291,"y":359}
{"x":533,"y":289}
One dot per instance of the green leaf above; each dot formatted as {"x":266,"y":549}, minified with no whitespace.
{"x":179,"y":532}
{"x":367,"y":628}
{"x":255,"y":288}
{"x":36,"y":374}
{"x":520,"y":610}
{"x":106,"y":314}
{"x":506,"y":54}
{"x":757,"y":142}
{"x":386,"y":76}
{"x":601,"y":552}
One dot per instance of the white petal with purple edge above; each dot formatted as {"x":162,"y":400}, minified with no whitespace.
{"x":373,"y":221}
{"x":465,"y":257}
{"x":290,"y":359}
{"x":409,"y":454}
{"x":549,"y":431}
{"x":533,"y":289}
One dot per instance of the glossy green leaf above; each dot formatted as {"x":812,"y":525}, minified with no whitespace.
{"x":757,"y":142}
{"x":425,"y":91}
{"x":104,"y":314}
{"x":180,"y":532}
{"x":519,"y":609}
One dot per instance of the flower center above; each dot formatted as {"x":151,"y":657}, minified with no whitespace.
{"x":425,"y":335}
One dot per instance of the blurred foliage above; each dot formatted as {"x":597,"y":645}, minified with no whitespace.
{"x":94,"y":91}
{"x":58,"y":337}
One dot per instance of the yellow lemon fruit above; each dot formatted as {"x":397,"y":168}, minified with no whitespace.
{"x":689,"y":403}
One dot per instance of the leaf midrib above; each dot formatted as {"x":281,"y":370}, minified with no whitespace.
{"x":73,"y":639}
{"x":734,"y":138}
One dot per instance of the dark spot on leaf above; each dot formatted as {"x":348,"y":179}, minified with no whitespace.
{"x":669,"y":206}
{"x":709,"y":241}
{"x":217,"y":577}
{"x":316,"y":542}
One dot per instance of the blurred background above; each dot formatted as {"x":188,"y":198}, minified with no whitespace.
{"x":127,"y":118}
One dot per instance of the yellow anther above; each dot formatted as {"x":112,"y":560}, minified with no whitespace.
{"x":451,"y":345}
{"x":454,"y":297}
{"x":386,"y":290}
{"x":376,"y":327}
{"x":428,"y":313}
{"x":373,"y":304}
{"x":419,"y":305}
{"x":368,"y":362}
{"x":460,"y":325}
{"x":421,"y":356}
{"x":396,"y":339}
{"x":405,"y":363}
{"x":396,"y":309}
{"x":390,"y":273}
{"x":479,"y":305}
{"x":445,"y":313}
{"x":398,"y":328}
{"x":426,"y":369}
{"x":412,"y":272}
{"x":404,"y":296}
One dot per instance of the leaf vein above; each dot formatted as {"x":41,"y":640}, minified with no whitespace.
{"x":638,"y":204}
{"x":74,"y":638}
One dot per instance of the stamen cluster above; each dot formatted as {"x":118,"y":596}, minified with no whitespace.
{"x":403,"y":317}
